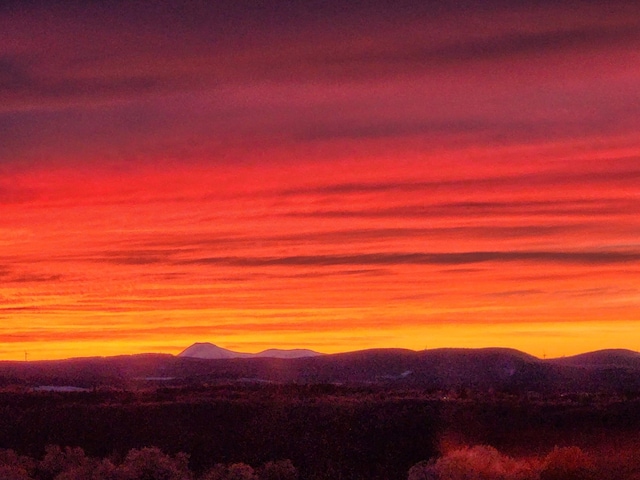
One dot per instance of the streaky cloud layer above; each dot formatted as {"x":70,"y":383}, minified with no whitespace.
{"x":318,"y":174}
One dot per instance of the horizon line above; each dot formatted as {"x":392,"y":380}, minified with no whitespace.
{"x":177,"y":355}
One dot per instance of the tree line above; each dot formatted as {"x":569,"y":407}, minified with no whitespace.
{"x":148,"y":463}
{"x":480,"y":462}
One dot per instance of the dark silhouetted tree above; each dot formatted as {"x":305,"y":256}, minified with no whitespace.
{"x":14,"y":472}
{"x":57,"y":460}
{"x":93,"y":470}
{"x":567,"y":463}
{"x":278,"y":470}
{"x":15,"y":467}
{"x":235,"y":471}
{"x":152,"y":464}
{"x":477,"y":463}
{"x":425,"y":470}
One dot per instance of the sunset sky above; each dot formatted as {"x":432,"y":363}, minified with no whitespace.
{"x":319,"y":174}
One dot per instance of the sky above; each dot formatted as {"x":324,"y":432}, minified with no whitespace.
{"x":319,"y":174}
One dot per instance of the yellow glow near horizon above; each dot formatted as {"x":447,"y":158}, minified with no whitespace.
{"x":384,"y":180}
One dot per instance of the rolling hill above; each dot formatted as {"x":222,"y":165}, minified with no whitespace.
{"x":495,"y":369}
{"x":602,"y":358}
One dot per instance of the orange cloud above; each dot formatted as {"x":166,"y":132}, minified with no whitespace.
{"x":387,"y":178}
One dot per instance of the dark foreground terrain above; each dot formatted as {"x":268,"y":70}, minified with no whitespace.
{"x":382,"y":414}
{"x":323,"y":431}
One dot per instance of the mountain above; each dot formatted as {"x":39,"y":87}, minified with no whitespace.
{"x":211,"y":351}
{"x":489,"y":368}
{"x":447,"y":369}
{"x":293,"y":353}
{"x":602,"y":358}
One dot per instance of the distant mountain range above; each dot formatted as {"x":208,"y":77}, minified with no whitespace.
{"x":602,"y":358}
{"x":487,"y":369}
{"x":211,"y":351}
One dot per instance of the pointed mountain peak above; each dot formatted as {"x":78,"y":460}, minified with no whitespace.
{"x":209,"y":350}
